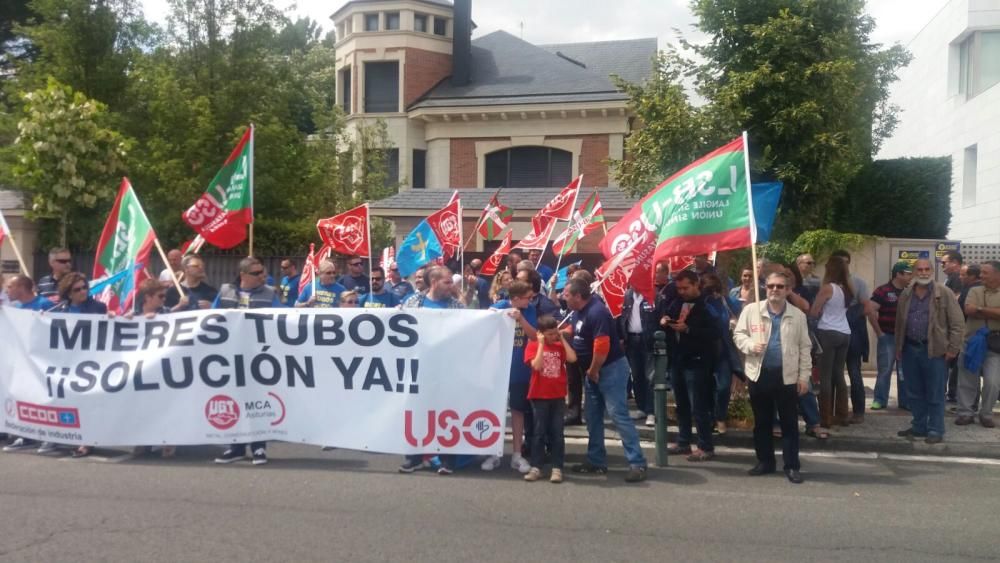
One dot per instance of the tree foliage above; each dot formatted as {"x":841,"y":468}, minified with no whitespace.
{"x":801,"y":76}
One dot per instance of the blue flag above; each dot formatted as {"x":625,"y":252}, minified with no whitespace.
{"x":563,"y":274}
{"x":99,"y":285}
{"x":765,"y":206}
{"x":418,"y":248}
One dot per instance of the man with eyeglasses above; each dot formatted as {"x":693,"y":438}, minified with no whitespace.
{"x":379,"y":297}
{"x":327,"y":289}
{"x":402,"y":288}
{"x":289,"y":285}
{"x":807,"y":267}
{"x":951,"y":263}
{"x":356,"y":278}
{"x":197,"y":293}
{"x":61,"y":263}
{"x":775,"y":339}
{"x":251,"y":293}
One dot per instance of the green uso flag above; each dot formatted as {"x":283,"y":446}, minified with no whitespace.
{"x":126,"y":240}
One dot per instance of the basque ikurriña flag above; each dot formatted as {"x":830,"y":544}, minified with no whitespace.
{"x":126,"y":241}
{"x":585,"y":220}
{"x":222,"y":213}
{"x":495,"y":218}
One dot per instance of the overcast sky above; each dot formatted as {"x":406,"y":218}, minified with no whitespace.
{"x":563,"y":21}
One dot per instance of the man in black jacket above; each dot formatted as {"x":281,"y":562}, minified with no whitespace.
{"x":693,"y":342}
{"x":636,"y":326}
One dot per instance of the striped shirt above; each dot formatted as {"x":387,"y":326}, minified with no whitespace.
{"x":886,"y":296}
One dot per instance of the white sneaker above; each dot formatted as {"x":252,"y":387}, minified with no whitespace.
{"x":490,"y":463}
{"x":637,"y":415}
{"x":18,"y":445}
{"x":651,"y":421}
{"x":47,"y":448}
{"x":520,"y":464}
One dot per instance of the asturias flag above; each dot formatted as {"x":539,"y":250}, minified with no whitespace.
{"x":419,"y":247}
{"x":126,"y":240}
{"x":222,"y":213}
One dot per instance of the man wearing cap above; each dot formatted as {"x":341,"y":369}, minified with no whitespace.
{"x":884,"y":299}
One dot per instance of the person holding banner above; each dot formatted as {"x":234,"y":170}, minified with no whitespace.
{"x":150,"y":299}
{"x":599,"y":353}
{"x":327,"y":290}
{"x":197,"y":293}
{"x":250,"y":293}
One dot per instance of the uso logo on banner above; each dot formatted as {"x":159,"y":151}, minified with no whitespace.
{"x":481,"y":429}
{"x":222,"y":412}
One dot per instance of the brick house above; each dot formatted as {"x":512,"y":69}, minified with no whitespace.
{"x":481,"y":114}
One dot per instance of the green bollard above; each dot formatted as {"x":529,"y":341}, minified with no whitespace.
{"x":660,"y":395}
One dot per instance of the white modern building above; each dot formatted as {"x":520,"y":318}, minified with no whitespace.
{"x":950,"y":101}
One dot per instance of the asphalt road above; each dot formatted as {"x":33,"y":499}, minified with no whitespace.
{"x":308,"y":505}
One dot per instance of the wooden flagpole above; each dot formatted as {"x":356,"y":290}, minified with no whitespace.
{"x":480,"y":222}
{"x":17,"y":252}
{"x":753,"y":230}
{"x":173,"y":276}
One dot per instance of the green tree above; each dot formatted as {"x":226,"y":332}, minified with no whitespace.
{"x":67,"y":158}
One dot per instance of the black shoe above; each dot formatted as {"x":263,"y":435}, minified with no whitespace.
{"x":635,"y":475}
{"x":909,"y":434}
{"x":260,"y":456}
{"x":409,"y":466}
{"x":934,"y":439}
{"x":760,"y":469}
{"x":794,"y":476}
{"x":588,"y":468}
{"x":679,"y":450}
{"x":231,"y":455}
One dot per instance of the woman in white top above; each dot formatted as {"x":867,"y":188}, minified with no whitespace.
{"x":834,"y":336}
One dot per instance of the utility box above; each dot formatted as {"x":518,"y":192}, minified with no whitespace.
{"x":888,"y":251}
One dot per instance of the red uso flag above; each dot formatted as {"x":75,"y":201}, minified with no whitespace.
{"x":561,"y":206}
{"x":613,"y":278}
{"x":492,"y":263}
{"x":447,"y":225}
{"x":347,"y":233}
{"x":538,"y":237}
{"x":221,"y":215}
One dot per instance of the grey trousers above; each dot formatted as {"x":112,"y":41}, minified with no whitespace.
{"x":968,"y":387}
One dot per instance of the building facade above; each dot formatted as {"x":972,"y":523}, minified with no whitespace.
{"x":950,"y":101}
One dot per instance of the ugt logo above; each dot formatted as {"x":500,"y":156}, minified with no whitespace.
{"x":481,"y":429}
{"x":222,"y":412}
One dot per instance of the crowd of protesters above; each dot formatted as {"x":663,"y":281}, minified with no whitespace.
{"x":799,"y":349}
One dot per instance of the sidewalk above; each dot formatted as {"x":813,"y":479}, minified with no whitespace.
{"x":876,"y":435}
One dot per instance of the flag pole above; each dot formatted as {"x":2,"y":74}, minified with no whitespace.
{"x":17,"y":253}
{"x":753,"y":225}
{"x":251,"y":187}
{"x":481,"y":219}
{"x":313,"y":263}
{"x":173,"y":276}
{"x":576,"y":198}
{"x":368,"y":225}
{"x":461,"y":247}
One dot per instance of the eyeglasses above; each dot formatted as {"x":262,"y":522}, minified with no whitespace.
{"x":79,"y":288}
{"x":775,"y":286}
{"x":63,"y":260}
{"x":378,"y":279}
{"x":810,"y":262}
{"x":355,"y":263}
{"x":256,"y":273}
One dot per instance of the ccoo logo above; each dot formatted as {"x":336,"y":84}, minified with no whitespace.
{"x":222,"y":412}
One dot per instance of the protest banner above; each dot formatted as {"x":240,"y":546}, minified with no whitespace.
{"x":391,"y":381}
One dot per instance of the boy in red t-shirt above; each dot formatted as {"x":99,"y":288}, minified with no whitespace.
{"x":547,"y":356}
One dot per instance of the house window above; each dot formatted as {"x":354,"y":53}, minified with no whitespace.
{"x":440,"y":26}
{"x":419,"y":169}
{"x":529,"y":167}
{"x":392,"y":168}
{"x":969,"y":169}
{"x":392,"y":20}
{"x":382,"y":87}
{"x":345,"y":90}
{"x":420,"y":23}
{"x":978,"y":63}
{"x":371,"y":22}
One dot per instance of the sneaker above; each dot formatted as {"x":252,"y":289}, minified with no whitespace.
{"x":327,"y":448}
{"x":877,"y":406}
{"x":638,"y":415}
{"x":18,"y":445}
{"x":445,"y":470}
{"x":556,"y":476}
{"x":409,"y":466}
{"x":533,"y":474}
{"x":934,"y":439}
{"x":650,"y":420}
{"x":520,"y":464}
{"x":259,"y":456}
{"x":47,"y":448}
{"x":490,"y":463}
{"x":230,"y":455}
{"x":910,"y":434}
{"x":588,"y":468}
{"x":635,"y":474}
{"x":964,"y":420}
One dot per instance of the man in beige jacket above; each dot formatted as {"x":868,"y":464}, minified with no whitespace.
{"x":775,"y":339}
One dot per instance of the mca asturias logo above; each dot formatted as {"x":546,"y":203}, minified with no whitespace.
{"x":223,"y":412}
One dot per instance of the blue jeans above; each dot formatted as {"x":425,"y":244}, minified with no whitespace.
{"x":886,"y":362}
{"x":925,"y":387}
{"x":610,"y":392}
{"x":695,"y":397}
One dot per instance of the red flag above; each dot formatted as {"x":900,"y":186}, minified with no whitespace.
{"x":493,"y":263}
{"x":613,"y":278}
{"x":4,"y":229}
{"x":388,"y":257}
{"x":537,"y":239}
{"x":447,"y":225}
{"x":494,"y":219}
{"x":347,"y":233}
{"x":311,"y":267}
{"x":561,"y":206}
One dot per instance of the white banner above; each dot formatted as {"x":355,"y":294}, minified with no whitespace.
{"x":391,"y":381}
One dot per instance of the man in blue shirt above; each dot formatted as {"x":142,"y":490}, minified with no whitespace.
{"x":21,"y":292}
{"x":289,"y":285}
{"x":546,"y":272}
{"x":356,"y":278}
{"x":379,"y":297}
{"x":327,"y":290}
{"x":402,"y":288}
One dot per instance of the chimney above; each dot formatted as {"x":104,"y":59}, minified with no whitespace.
{"x":461,"y":50}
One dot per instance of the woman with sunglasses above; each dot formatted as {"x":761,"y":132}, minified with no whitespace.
{"x":74,"y":297}
{"x":150,"y":301}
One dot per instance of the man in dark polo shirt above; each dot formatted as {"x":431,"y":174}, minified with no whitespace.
{"x":884,"y":299}
{"x":599,"y":352}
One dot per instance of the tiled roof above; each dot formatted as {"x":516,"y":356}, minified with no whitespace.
{"x":508,"y":70}
{"x":10,"y":199}
{"x":519,"y":199}
{"x":630,"y":59}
